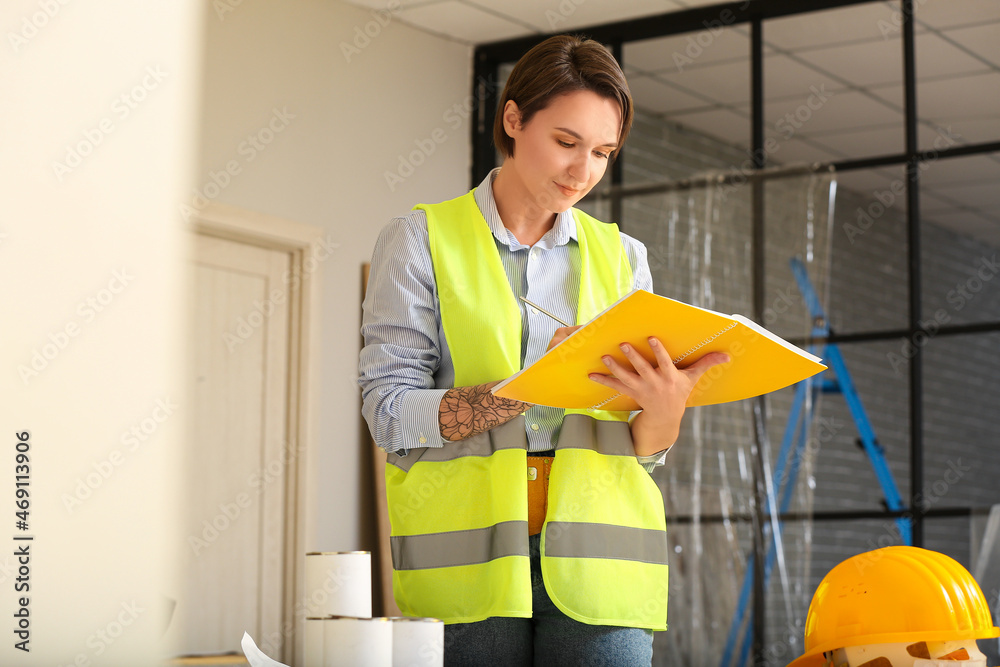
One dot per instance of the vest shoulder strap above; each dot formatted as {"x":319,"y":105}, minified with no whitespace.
{"x":480,"y":317}
{"x":606,"y":276}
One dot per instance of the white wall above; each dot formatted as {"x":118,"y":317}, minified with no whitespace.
{"x":98,"y":122}
{"x":346,"y":118}
{"x":91,"y":266}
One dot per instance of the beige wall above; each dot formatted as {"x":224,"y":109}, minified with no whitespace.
{"x":343,"y":111}
{"x":98,"y":119}
{"x":91,"y":254}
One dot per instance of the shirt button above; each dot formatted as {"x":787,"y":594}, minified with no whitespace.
{"x":534,"y":311}
{"x":534,"y":427}
{"x":422,"y":440}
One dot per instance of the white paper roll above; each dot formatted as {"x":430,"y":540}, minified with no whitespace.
{"x":357,"y":642}
{"x":314,"y":642}
{"x":339,"y":584}
{"x":417,"y":642}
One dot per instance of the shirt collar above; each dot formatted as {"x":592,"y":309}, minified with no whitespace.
{"x":562,"y":231}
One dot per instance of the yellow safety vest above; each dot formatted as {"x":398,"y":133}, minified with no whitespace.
{"x":459,"y":512}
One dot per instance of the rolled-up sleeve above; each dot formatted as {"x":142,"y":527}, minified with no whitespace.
{"x":401,"y":352}
{"x":636,"y":253}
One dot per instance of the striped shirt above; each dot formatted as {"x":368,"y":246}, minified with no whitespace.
{"x":406,"y":367}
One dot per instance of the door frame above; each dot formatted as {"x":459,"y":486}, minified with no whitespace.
{"x":301,"y":242}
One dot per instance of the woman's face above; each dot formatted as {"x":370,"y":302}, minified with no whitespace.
{"x":563,"y":151}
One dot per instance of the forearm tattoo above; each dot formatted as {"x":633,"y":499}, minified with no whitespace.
{"x":469,"y":411}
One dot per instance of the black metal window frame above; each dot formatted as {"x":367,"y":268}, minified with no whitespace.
{"x":488,"y":58}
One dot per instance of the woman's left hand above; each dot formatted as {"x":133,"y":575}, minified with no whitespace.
{"x":561,"y":334}
{"x":660,"y":389}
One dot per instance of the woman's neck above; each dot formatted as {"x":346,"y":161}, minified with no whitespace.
{"x":519,"y":213}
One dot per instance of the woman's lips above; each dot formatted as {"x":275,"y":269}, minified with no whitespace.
{"x":569,"y":192}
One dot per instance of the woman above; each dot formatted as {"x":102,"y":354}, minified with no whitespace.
{"x":535,"y":533}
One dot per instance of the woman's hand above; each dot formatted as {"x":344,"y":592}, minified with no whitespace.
{"x":661,"y":390}
{"x":561,"y":334}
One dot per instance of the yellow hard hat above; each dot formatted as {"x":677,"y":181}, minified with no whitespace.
{"x":895,"y":594}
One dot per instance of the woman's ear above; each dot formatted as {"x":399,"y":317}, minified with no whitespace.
{"x":511,"y":118}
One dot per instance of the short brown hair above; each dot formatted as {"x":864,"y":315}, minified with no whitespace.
{"x":559,"y":65}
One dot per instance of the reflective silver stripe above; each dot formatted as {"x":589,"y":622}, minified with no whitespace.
{"x":605,"y":437}
{"x":564,"y":539}
{"x":460,"y":547}
{"x":509,"y":435}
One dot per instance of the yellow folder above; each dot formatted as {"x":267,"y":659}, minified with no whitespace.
{"x":760,"y":362}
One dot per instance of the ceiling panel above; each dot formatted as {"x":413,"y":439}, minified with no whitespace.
{"x":679,"y":52}
{"x":461,"y":21}
{"x":790,"y":151}
{"x":938,"y":57}
{"x":572,"y":14}
{"x":654,"y":96}
{"x":949,"y":13}
{"x":874,"y":130}
{"x":883,"y":62}
{"x":784,"y":77}
{"x":838,"y":112}
{"x":945,"y":118}
{"x":383,"y":4}
{"x":930,"y":134}
{"x":723,"y":124}
{"x":959,"y":97}
{"x":867,"y":142}
{"x":980,"y":40}
{"x":833,"y":147}
{"x":724,"y":83}
{"x":961,"y":131}
{"x":697,"y":3}
{"x":858,"y":23}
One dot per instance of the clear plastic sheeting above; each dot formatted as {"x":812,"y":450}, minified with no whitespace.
{"x":985,"y":544}
{"x":699,"y":241}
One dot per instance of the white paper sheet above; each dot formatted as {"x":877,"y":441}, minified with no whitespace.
{"x":255,"y":655}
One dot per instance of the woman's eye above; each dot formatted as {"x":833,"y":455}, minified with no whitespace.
{"x":600,"y":154}
{"x":565,"y":144}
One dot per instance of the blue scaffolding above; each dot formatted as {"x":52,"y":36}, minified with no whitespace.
{"x":792,"y":448}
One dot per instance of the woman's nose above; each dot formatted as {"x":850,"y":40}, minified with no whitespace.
{"x":579,"y":169}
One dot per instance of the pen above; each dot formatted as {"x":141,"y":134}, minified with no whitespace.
{"x":536,"y":306}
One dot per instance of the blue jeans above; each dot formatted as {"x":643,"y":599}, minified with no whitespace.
{"x":548,"y":639}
